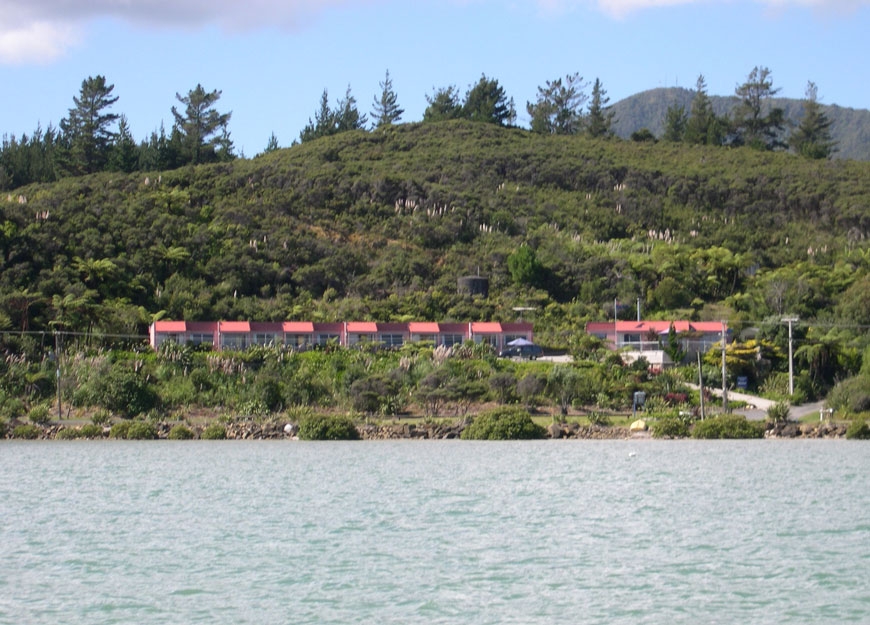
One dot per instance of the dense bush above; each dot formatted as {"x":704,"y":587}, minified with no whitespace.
{"x":851,"y":395}
{"x":39,"y":415}
{"x":327,"y":428}
{"x":180,"y":433}
{"x":121,"y":390}
{"x":670,"y":427}
{"x":141,"y":430}
{"x":26,"y":430}
{"x":779,"y":412}
{"x":68,"y":434}
{"x":727,"y":426}
{"x":504,"y":424}
{"x":858,"y":429}
{"x":120,"y":429}
{"x":91,"y":430}
{"x":214,"y":432}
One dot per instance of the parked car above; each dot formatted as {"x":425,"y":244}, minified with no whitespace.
{"x":530,"y":352}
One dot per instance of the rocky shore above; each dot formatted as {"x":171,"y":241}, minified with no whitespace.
{"x":248,"y":430}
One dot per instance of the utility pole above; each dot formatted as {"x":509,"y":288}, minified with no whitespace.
{"x":724,"y":374}
{"x":701,"y":384}
{"x":790,"y":321}
{"x":57,"y":372}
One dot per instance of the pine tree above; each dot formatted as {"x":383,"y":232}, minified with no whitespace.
{"x":86,"y":130}
{"x":812,"y":138}
{"x":272,"y":145}
{"x":201,"y":128}
{"x":675,"y":123}
{"x":599,"y":119}
{"x":347,"y":116}
{"x":756,"y":129}
{"x":703,"y":127}
{"x":324,"y":123}
{"x":124,"y":155}
{"x":487,"y":102}
{"x":443,"y":104}
{"x":386,"y":109}
{"x":559,"y":107}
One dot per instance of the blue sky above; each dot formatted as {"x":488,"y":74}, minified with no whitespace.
{"x":272,"y":59}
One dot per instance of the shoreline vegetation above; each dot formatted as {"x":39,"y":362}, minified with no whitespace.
{"x":369,"y":392}
{"x":443,"y":429}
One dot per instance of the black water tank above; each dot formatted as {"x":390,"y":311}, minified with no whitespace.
{"x":474,"y":285}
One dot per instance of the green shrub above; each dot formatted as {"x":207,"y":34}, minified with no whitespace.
{"x":91,"y":430}
{"x":671,"y":426}
{"x":27,"y":430}
{"x":327,"y":428}
{"x":142,"y":430}
{"x":67,"y":434}
{"x":779,"y":412}
{"x":101,"y":417}
{"x":180,"y":433}
{"x":727,"y":426}
{"x":124,"y":391}
{"x":214,"y":432}
{"x":39,"y":415}
{"x":120,"y":429}
{"x":502,"y":424}
{"x":851,"y":395}
{"x":858,"y":429}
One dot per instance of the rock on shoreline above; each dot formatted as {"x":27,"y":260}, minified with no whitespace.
{"x":247,"y":430}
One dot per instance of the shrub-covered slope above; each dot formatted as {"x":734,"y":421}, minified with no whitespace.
{"x":380,"y":225}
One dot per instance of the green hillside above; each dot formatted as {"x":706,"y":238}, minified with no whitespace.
{"x":850,"y":128}
{"x":379,"y":225}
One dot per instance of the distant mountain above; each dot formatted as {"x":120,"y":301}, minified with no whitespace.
{"x":850,"y":129}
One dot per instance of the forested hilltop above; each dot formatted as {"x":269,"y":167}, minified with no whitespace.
{"x":849,"y":129}
{"x":379,"y":225}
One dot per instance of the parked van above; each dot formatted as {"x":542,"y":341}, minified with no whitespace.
{"x":529,"y":352}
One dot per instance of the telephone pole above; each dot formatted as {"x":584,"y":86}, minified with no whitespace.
{"x":724,"y":374}
{"x":790,"y":321}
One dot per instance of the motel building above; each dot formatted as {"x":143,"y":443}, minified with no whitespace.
{"x":240,"y":335}
{"x":634,"y":339}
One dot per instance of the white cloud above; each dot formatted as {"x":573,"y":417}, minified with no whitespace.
{"x":39,"y":42}
{"x":620,"y":8}
{"x":41,"y":30}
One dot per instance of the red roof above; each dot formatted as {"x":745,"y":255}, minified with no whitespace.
{"x":170,"y":326}
{"x":298,"y":326}
{"x":486,"y":327}
{"x":392,"y":326}
{"x":423,"y":327}
{"x":659,"y":327}
{"x":235,"y":326}
{"x":362,"y":327}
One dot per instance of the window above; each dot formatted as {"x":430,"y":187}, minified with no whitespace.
{"x":356,"y":339}
{"x":392,"y":340}
{"x":449,"y":340}
{"x":264,"y":338}
{"x":423,"y":337}
{"x":487,"y":339}
{"x":234,"y":341}
{"x":324,"y":339}
{"x":298,"y":340}
{"x":166,"y":338}
{"x":202,"y":338}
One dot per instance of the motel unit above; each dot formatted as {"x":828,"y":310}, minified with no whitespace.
{"x":240,"y":335}
{"x":647,"y":338}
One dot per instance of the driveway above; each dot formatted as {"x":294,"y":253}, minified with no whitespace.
{"x":756,"y":407}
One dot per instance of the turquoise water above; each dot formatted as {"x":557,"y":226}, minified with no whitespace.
{"x":434,"y":532}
